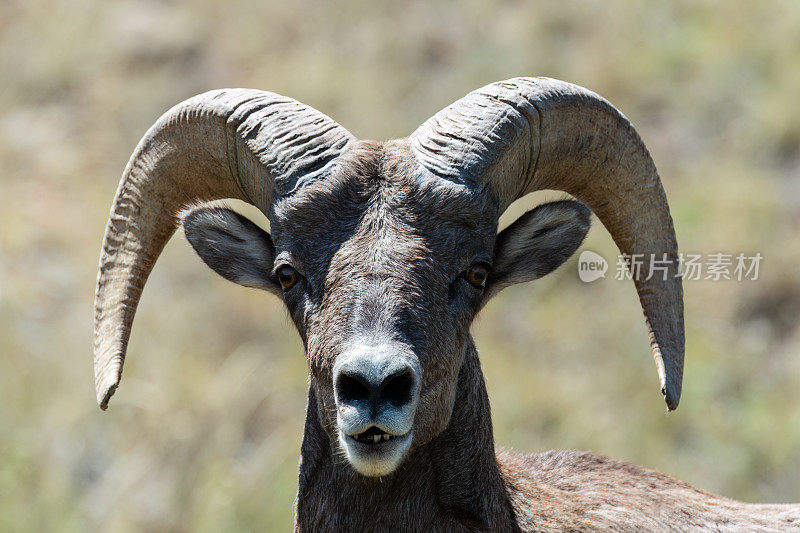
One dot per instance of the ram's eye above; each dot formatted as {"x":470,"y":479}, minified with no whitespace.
{"x":287,"y":277}
{"x":476,"y":275}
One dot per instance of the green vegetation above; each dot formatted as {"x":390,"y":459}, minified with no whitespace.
{"x":204,"y":433}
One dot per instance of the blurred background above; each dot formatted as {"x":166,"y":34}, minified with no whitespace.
{"x":204,"y":433}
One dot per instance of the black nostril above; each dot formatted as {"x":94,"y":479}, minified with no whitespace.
{"x":375,"y":381}
{"x":397,"y":388}
{"x":351,"y":387}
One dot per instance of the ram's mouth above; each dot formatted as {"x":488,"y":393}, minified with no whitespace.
{"x":375,"y":442}
{"x":373,"y":435}
{"x":374,"y":452}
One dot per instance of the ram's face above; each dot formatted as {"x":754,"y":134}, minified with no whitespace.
{"x":382,"y":275}
{"x":382,"y":272}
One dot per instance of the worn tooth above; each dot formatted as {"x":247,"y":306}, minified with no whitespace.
{"x":376,"y":439}
{"x":386,"y":437}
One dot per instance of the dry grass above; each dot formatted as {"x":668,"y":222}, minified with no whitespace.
{"x":205,"y":432}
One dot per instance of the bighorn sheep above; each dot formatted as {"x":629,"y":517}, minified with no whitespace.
{"x":383,"y":254}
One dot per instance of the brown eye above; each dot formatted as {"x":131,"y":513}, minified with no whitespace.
{"x":287,"y":277}
{"x":477,"y":275}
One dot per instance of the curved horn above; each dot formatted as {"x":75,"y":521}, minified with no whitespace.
{"x":232,"y":143}
{"x":527,"y":134}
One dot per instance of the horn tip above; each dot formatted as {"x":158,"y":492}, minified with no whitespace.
{"x":106,"y":387}
{"x":671,"y":397}
{"x":669,"y":377}
{"x":104,"y":395}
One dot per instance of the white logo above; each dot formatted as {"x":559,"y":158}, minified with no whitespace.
{"x":591,"y":266}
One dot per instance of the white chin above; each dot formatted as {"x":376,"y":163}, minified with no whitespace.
{"x":375,"y":459}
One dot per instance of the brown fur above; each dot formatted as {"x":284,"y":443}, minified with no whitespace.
{"x":570,"y":490}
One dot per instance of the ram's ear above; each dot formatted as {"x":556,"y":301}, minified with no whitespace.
{"x":537,"y":243}
{"x":233,"y":246}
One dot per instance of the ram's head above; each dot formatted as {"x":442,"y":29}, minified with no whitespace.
{"x":384,"y":252}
